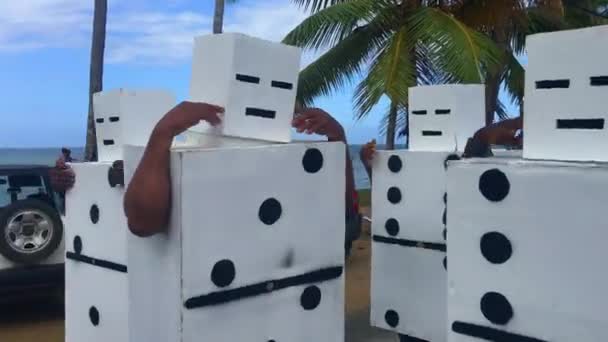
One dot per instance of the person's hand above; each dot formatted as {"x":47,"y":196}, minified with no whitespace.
{"x":62,"y":176}
{"x":367,"y":153}
{"x":502,"y":133}
{"x":188,"y":114}
{"x":318,"y":121}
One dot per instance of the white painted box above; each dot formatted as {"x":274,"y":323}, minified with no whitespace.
{"x":127,"y":117}
{"x":255,"y":80}
{"x":96,"y":284}
{"x":444,"y":117}
{"x":255,"y":248}
{"x":527,"y":250}
{"x":408,"y":279}
{"x":566,"y":91}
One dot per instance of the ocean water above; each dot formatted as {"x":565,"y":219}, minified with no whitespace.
{"x":47,"y":156}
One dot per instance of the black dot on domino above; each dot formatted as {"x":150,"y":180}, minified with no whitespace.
{"x":77,"y":244}
{"x":392,"y":227}
{"x":495,"y":247}
{"x":450,"y":157}
{"x":310,"y":298}
{"x":392,"y":318}
{"x":312,"y":160}
{"x":445,"y":263}
{"x":496,"y":308}
{"x":444,"y":217}
{"x":445,"y":233}
{"x":494,"y":185}
{"x":393,"y":195}
{"x":94,"y":213}
{"x":94,"y":316}
{"x":223,"y":273}
{"x":445,"y":198}
{"x":394,"y":164}
{"x":270,"y":211}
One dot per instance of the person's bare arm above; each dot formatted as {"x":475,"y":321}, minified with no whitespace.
{"x":500,"y":133}
{"x":147,"y":201}
{"x":367,"y":155}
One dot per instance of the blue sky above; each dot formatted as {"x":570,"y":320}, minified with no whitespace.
{"x":44,"y":60}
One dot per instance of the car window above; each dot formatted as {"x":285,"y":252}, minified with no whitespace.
{"x":27,"y":186}
{"x":5,"y":198}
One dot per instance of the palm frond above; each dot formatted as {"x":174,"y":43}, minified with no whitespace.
{"x":391,"y":74}
{"x":338,"y":66}
{"x":457,"y":49}
{"x":501,"y":111}
{"x":401,"y":121}
{"x":332,"y":24}
{"x":317,"y":5}
{"x":427,"y":72}
{"x":513,"y":80}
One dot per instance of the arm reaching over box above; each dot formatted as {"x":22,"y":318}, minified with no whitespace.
{"x":147,"y":201}
{"x":500,"y":133}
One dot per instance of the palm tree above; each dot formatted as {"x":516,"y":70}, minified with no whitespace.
{"x":415,"y":42}
{"x":218,"y":17}
{"x":96,"y":72}
{"x":396,"y":45}
{"x":508,"y":23}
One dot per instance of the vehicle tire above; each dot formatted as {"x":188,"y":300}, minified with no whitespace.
{"x":30,"y":231}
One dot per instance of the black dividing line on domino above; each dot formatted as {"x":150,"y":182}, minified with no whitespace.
{"x":96,"y":262}
{"x":222,"y":297}
{"x":490,"y":334}
{"x":410,"y":243}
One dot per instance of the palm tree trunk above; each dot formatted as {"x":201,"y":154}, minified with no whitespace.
{"x":96,"y":72}
{"x":493,"y":77}
{"x":218,"y":17}
{"x":392,"y":126}
{"x":492,"y":87}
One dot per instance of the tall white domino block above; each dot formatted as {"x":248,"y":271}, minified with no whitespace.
{"x":127,"y":117}
{"x":254,"y":250}
{"x":566,"y":91}
{"x":253,"y":79}
{"x":408,"y":281}
{"x":527,"y":251}
{"x":96,"y":284}
{"x":444,"y":117}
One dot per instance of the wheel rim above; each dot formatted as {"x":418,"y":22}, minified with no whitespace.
{"x":29,"y":231}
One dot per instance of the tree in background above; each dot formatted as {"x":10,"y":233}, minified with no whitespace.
{"x":95,"y":73}
{"x":507,"y":23}
{"x":395,"y":45}
{"x":399,"y":44}
{"x":218,"y":16}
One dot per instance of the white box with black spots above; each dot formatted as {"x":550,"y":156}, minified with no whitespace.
{"x":96,"y":284}
{"x":527,"y":251}
{"x":409,"y":280}
{"x":255,"y":248}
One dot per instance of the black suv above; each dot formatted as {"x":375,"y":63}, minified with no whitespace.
{"x":31,"y":229}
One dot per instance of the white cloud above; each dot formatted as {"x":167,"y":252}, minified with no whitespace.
{"x":137,"y":34}
{"x":34,"y":24}
{"x":153,"y":37}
